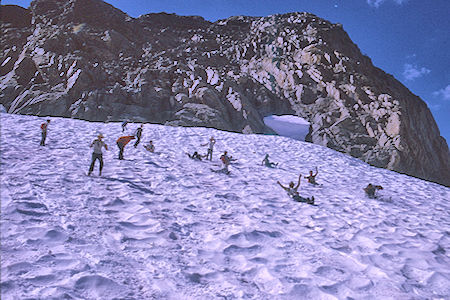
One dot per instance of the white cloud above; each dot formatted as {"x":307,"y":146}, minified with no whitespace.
{"x":412,"y":72}
{"x":377,"y":3}
{"x":444,"y":93}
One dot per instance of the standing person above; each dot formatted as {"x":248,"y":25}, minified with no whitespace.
{"x":292,"y":191}
{"x":150,"y":147}
{"x":210,"y":145}
{"x":122,"y":142}
{"x":312,"y":178}
{"x":44,"y":127}
{"x":138,"y":135}
{"x":267,"y":163}
{"x":98,"y":144}
{"x":124,"y":125}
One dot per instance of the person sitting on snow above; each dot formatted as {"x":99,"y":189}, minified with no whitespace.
{"x":371,"y":189}
{"x":150,"y":147}
{"x":292,"y":191}
{"x":267,"y":163}
{"x":312,"y":178}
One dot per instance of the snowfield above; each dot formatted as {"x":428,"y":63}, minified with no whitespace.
{"x":163,"y":226}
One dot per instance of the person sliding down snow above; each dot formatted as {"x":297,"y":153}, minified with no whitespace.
{"x":211,"y":143}
{"x":267,"y":163}
{"x":122,"y":142}
{"x":150,"y":147}
{"x":98,"y":144}
{"x":293,"y":192}
{"x":371,"y":189}
{"x":312,"y":178}
{"x":226,"y":160}
{"x":138,"y":135}
{"x":44,"y":127}
{"x":195,"y":156}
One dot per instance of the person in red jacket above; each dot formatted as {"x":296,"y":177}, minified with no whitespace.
{"x":44,"y":127}
{"x":122,"y":142}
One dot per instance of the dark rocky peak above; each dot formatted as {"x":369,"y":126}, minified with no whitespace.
{"x":15,"y":16}
{"x":96,"y":14}
{"x":165,"y":20}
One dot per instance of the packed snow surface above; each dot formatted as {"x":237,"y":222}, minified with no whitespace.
{"x":163,"y":226}
{"x":287,"y":125}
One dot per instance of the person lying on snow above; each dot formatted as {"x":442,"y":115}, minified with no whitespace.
{"x":371,"y":189}
{"x":195,"y":156}
{"x":292,"y":191}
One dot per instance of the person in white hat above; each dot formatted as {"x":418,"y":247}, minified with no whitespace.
{"x":98,"y":144}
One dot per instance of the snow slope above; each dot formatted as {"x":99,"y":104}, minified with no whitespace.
{"x":162,"y":226}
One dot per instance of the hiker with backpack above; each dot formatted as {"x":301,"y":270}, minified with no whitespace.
{"x":44,"y":127}
{"x":98,"y":144}
{"x":122,"y":142}
{"x":267,"y":163}
{"x":210,"y":145}
{"x":292,"y":191}
{"x":138,"y":134}
{"x":226,"y":160}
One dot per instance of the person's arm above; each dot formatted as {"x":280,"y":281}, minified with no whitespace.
{"x":284,"y":188}
{"x":106,"y":147}
{"x":317,"y":172}
{"x":204,"y":144}
{"x":92,"y":144}
{"x":298,"y":184}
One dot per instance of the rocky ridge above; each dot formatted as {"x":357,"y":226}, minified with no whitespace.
{"x":85,"y":59}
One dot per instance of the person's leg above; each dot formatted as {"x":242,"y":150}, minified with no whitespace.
{"x":137,"y":141}
{"x":210,"y":154}
{"x":43,"y":137}
{"x":91,"y":168}
{"x":120,"y":145}
{"x":100,"y":159}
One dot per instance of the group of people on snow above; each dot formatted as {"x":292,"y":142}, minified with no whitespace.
{"x":292,"y":188}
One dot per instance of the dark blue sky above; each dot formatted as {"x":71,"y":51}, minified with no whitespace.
{"x":409,"y":39}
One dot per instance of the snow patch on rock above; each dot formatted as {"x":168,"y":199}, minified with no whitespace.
{"x":287,"y":125}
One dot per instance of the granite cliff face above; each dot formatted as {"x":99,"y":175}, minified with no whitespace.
{"x":85,"y":59}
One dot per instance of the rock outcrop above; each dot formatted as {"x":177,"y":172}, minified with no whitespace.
{"x":85,"y":59}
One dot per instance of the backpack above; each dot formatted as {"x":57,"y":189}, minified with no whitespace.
{"x":225,"y":159}
{"x":43,"y":126}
